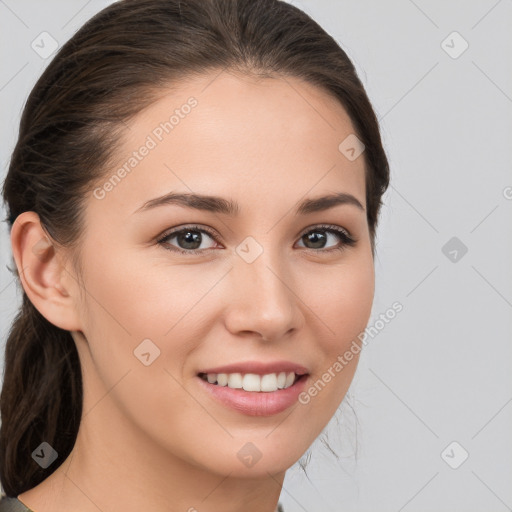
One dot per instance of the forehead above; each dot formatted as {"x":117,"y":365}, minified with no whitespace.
{"x":236,"y":136}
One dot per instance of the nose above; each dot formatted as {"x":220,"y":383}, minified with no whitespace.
{"x":263,"y":299}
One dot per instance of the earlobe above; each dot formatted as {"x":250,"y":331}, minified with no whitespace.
{"x":43,"y":276}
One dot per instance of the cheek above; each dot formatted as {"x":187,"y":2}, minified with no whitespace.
{"x":138,"y":298}
{"x":131,"y":299}
{"x":342,"y":301}
{"x":342,"y":304}
{"x":128,"y":302}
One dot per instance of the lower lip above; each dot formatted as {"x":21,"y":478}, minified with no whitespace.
{"x":255,"y":403}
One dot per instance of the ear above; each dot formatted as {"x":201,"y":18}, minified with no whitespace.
{"x":51,"y":287}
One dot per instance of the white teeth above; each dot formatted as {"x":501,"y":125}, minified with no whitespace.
{"x":252,"y":382}
{"x":289,"y":380}
{"x":235,"y":380}
{"x":281,"y":380}
{"x":269,"y":382}
{"x":222,"y":379}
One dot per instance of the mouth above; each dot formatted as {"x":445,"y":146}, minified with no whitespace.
{"x":253,"y":382}
{"x":254,"y":394}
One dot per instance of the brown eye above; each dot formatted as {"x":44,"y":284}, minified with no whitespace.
{"x":318,"y":238}
{"x":188,"y":240}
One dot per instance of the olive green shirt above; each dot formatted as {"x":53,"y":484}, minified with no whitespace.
{"x":12,"y":505}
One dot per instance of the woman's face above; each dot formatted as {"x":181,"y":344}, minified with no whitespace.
{"x":264,"y":285}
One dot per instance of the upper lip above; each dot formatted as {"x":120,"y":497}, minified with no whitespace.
{"x":259,"y":368}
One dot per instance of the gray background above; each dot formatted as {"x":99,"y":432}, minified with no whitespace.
{"x":440,"y":371}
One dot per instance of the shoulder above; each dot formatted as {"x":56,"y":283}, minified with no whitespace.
{"x":12,"y":505}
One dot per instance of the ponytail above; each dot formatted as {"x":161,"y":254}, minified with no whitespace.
{"x":41,"y":398}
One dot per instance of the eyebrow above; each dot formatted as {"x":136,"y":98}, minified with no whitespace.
{"x":231,"y":208}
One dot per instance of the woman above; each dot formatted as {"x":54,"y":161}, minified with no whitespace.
{"x":193,"y":201}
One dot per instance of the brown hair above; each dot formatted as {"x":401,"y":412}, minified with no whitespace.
{"x":111,"y":69}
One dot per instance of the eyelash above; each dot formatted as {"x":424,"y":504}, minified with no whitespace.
{"x":346,"y":239}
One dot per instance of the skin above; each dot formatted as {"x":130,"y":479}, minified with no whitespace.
{"x":150,"y":437}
